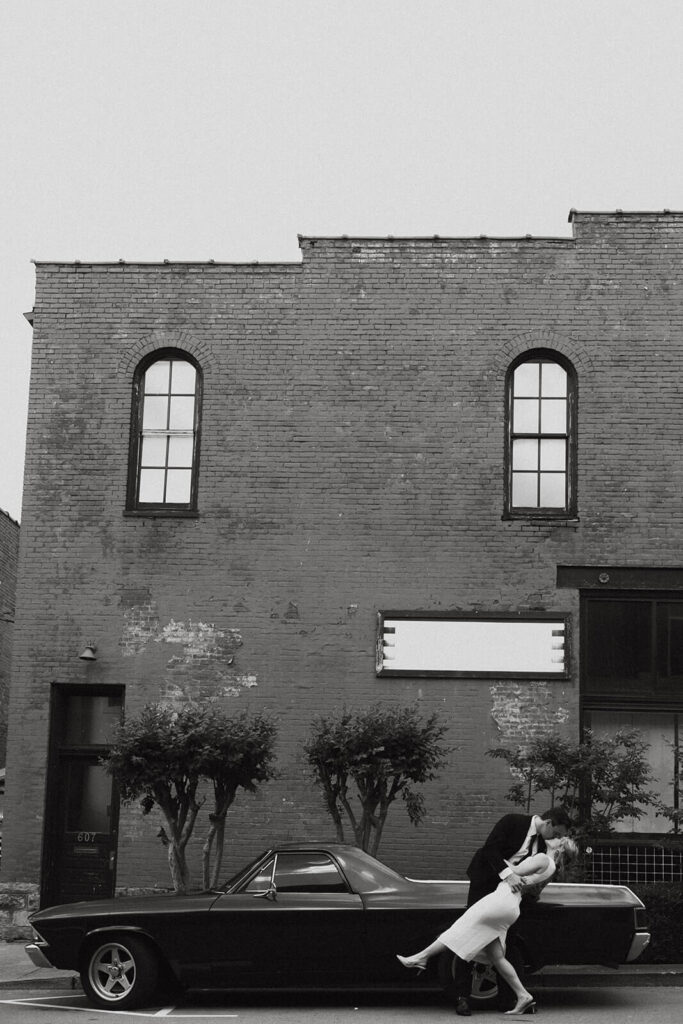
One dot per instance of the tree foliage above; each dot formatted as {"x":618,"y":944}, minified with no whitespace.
{"x":601,"y":780}
{"x":363,"y":760}
{"x":162,"y":755}
{"x":156,"y":756}
{"x":238,"y":753}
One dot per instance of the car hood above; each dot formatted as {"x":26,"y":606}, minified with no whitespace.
{"x":123,"y":905}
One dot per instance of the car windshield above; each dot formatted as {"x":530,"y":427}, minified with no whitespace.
{"x":225,"y":886}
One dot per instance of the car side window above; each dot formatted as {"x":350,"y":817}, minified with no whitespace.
{"x":307,"y":872}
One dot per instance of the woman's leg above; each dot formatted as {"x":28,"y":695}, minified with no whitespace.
{"x":496,"y":955}
{"x":420,"y":959}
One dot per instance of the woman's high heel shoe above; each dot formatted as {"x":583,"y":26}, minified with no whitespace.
{"x":405,"y":960}
{"x":528,"y":1007}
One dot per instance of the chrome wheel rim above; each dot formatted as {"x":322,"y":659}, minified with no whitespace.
{"x":484,"y":982}
{"x":112,"y":972}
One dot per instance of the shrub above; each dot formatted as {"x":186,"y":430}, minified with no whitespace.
{"x":664,"y":906}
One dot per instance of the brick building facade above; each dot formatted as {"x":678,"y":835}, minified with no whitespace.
{"x":235,"y":472}
{"x":9,"y":556}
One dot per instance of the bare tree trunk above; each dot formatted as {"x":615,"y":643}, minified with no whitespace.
{"x":180,"y":875}
{"x":377,"y":837}
{"x":220,"y":838}
{"x":357,"y":828}
{"x":330,"y":791}
{"x":215,"y":835}
{"x":206,"y":856}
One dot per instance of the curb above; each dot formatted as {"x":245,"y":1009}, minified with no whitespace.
{"x":664,"y":975}
{"x":59,"y":982}
{"x":655,"y":974}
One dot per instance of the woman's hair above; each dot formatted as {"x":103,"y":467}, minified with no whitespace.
{"x":564,"y":852}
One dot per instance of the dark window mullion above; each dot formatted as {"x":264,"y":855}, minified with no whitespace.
{"x":166,"y":460}
{"x":677,"y":769}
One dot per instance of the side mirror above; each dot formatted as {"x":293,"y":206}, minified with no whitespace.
{"x":269,"y":894}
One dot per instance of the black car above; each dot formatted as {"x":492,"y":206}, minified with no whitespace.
{"x":320,"y":915}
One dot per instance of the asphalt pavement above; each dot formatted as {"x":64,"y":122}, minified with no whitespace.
{"x":17,"y":971}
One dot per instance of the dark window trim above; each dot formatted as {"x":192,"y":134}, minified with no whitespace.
{"x":620,"y":578}
{"x":616,"y":703}
{"x":133,"y":506}
{"x":569,"y":511}
{"x":611,"y":699}
{"x":162,"y":512}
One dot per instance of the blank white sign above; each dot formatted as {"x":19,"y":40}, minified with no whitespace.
{"x":473,"y":646}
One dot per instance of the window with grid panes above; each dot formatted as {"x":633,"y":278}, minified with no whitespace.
{"x":166,"y":415}
{"x":541,"y":398}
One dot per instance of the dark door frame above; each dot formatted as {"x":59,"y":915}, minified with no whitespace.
{"x":57,"y":750}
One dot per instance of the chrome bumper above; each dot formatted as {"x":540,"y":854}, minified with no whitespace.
{"x":641,"y":940}
{"x":36,"y":955}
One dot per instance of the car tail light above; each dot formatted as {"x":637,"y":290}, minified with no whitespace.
{"x":641,"y":920}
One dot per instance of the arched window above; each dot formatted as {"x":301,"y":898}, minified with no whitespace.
{"x":165,"y":434}
{"x":541,"y":437}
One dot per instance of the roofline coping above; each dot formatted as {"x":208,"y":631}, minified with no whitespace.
{"x":573,"y":214}
{"x":434,"y":238}
{"x":11,"y":518}
{"x":285,"y":264}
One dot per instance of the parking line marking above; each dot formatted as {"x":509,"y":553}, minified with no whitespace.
{"x":48,"y":1004}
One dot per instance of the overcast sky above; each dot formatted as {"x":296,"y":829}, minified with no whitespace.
{"x":218,"y":129}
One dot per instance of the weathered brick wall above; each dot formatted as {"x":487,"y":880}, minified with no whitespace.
{"x":9,"y":555}
{"x":352,"y":460}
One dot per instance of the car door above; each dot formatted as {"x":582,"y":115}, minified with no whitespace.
{"x":295,"y":921}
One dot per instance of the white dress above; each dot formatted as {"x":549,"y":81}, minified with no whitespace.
{"x":491,"y":916}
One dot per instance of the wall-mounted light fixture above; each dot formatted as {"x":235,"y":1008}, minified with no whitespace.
{"x":89,"y":653}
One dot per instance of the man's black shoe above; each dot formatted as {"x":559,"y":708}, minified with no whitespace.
{"x":462,"y":1007}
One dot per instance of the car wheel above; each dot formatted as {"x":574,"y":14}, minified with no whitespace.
{"x":484,"y":980}
{"x":120,"y":974}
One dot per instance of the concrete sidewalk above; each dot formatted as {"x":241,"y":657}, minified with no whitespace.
{"x":17,"y":971}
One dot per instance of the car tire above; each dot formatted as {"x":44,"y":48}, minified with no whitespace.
{"x":484,"y":991}
{"x":120,"y":973}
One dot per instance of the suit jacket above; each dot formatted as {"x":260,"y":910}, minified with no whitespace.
{"x":505,"y":839}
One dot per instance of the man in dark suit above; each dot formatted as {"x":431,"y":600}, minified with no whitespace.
{"x":513,"y":838}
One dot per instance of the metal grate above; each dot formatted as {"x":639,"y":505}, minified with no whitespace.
{"x":621,"y":865}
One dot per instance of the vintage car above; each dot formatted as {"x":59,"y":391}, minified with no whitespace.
{"x":320,"y":915}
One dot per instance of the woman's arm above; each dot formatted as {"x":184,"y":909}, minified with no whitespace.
{"x":535,"y":869}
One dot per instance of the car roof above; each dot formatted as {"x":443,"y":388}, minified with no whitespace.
{"x":324,"y":844}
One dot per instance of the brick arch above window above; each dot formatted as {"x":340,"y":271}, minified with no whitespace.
{"x":158,"y":341}
{"x":572,"y":349}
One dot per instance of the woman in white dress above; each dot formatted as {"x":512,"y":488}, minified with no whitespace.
{"x":480,"y":933}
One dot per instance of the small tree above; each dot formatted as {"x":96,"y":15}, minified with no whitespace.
{"x":670,"y":811}
{"x":601,"y":781}
{"x":237,"y":753}
{"x":156,"y":756}
{"x":380,"y":752}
